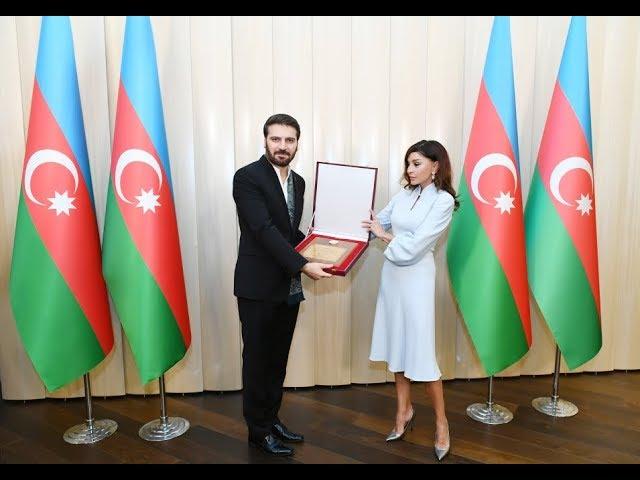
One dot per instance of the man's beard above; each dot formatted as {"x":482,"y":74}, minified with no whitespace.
{"x":280,"y":162}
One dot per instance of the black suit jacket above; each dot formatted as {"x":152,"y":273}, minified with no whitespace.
{"x":266,"y":256}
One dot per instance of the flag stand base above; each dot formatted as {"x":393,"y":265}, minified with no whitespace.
{"x":554,"y":408}
{"x":159,"y":430}
{"x":490,"y":414}
{"x":93,"y":432}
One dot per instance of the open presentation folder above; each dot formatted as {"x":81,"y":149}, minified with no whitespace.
{"x":342,"y":198}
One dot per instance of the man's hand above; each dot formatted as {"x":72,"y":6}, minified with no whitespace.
{"x":315,"y":270}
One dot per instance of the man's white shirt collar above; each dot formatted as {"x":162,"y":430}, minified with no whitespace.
{"x":283,"y":185}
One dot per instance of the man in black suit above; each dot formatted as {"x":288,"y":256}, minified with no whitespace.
{"x":269,"y":200}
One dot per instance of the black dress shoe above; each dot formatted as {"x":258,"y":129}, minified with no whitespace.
{"x":272,"y":445}
{"x":284,"y":434}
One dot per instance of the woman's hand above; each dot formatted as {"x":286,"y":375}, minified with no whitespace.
{"x":373,"y":225}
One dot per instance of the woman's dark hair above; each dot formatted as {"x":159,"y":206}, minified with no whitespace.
{"x":281,"y":119}
{"x":435,"y":152}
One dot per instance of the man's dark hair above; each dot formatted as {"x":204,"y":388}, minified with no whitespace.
{"x":281,"y":119}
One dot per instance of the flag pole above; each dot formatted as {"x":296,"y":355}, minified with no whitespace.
{"x":489,"y":412}
{"x":554,"y":405}
{"x":91,"y":431}
{"x":164,"y":428}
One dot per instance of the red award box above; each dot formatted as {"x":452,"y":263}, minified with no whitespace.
{"x":343,"y":197}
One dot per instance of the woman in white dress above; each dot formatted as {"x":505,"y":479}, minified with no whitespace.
{"x":404,"y":325}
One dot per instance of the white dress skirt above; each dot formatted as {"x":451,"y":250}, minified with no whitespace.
{"x":404,"y":325}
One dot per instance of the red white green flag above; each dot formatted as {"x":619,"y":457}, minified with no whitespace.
{"x":141,"y":260}
{"x":57,"y":292}
{"x":560,"y":216}
{"x":486,"y":246}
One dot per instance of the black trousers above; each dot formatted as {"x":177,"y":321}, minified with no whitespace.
{"x":267,"y":330}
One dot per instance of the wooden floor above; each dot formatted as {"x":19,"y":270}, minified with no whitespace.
{"x":347,"y":425}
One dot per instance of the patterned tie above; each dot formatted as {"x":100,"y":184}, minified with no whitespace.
{"x":295,"y":290}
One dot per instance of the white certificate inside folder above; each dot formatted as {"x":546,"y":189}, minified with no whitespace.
{"x":343,"y":198}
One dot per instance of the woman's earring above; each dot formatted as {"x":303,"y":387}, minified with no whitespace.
{"x":433,"y":176}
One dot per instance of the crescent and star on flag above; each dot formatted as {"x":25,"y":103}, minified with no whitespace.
{"x":62,"y":203}
{"x":147,"y":200}
{"x":504,"y":202}
{"x":585,"y":202}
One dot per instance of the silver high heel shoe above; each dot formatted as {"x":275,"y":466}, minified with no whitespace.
{"x":408,"y":425}
{"x":442,"y":452}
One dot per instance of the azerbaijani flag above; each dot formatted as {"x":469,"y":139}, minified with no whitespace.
{"x":56,"y":287}
{"x":486,"y":246}
{"x":141,"y":260}
{"x":561,"y":217}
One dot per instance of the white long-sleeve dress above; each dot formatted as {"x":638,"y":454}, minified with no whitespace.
{"x":404,"y":325}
